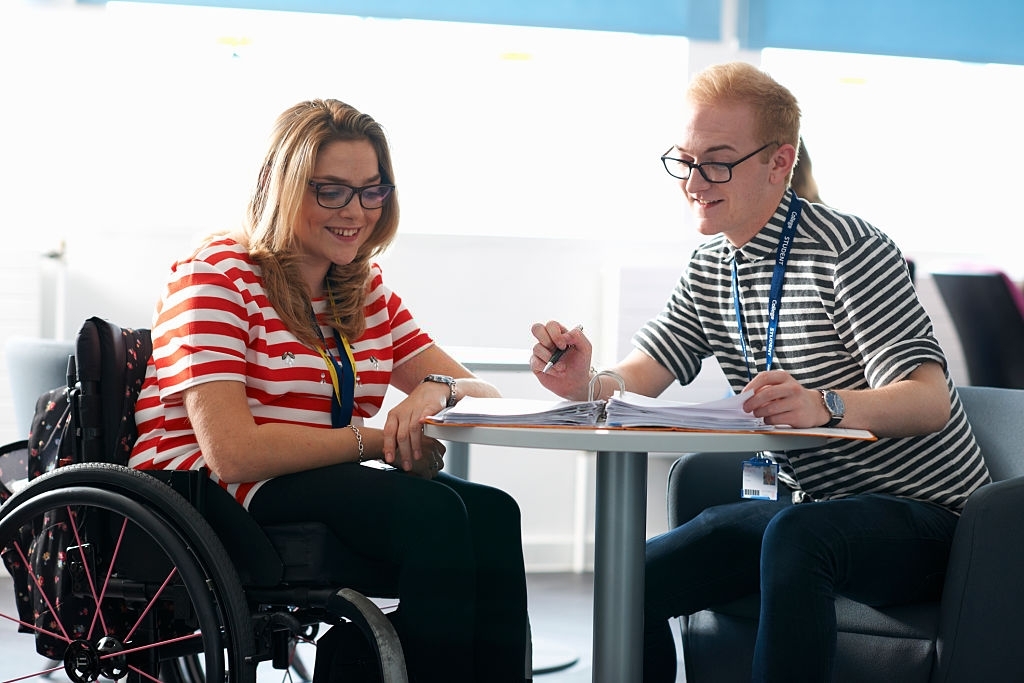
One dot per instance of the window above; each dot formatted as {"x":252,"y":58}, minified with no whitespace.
{"x":551,"y":132}
{"x":927,"y":150}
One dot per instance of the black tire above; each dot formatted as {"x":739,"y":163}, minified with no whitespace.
{"x":135,"y":548}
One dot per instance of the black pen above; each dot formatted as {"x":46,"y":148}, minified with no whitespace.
{"x":557,"y":355}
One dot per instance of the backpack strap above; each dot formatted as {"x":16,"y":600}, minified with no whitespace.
{"x":111,"y":369}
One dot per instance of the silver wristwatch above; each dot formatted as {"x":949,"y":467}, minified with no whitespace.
{"x":444,"y":379}
{"x":835,"y":407}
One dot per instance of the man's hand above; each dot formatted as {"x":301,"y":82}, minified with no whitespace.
{"x":570,"y":375}
{"x":780,"y":400}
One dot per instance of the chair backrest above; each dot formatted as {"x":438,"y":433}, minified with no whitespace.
{"x":987,"y":311}
{"x":35,"y":366}
{"x":997,"y":418}
{"x":111,"y":366}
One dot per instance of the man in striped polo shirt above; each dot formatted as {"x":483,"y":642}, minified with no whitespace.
{"x":813,"y":311}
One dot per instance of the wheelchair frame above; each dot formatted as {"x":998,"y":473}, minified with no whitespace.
{"x":167,"y":577}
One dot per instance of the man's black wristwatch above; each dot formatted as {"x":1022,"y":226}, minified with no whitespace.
{"x":444,"y":379}
{"x":835,"y":407}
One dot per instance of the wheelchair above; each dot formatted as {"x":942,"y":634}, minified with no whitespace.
{"x":161,"y":575}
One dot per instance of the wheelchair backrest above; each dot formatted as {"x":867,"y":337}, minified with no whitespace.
{"x":111,"y":366}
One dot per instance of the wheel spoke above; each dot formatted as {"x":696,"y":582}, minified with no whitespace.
{"x":152,"y":601}
{"x":106,"y":614}
{"x":34,"y":628}
{"x":41,"y":673}
{"x":37,"y":582}
{"x":106,"y":580}
{"x":142,"y":673}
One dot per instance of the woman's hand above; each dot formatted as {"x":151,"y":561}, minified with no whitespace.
{"x":405,"y":446}
{"x":432,"y":461}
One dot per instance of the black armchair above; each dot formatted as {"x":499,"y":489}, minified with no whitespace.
{"x":987,"y":310}
{"x":973,"y":634}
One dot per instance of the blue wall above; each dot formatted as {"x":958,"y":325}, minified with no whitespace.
{"x":698,"y":19}
{"x":965,"y":30}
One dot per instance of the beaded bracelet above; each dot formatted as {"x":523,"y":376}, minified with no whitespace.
{"x":359,"y":440}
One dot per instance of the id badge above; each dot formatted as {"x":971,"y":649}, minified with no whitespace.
{"x":760,"y":479}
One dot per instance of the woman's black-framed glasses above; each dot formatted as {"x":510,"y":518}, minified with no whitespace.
{"x":338,"y":195}
{"x":713,"y":171}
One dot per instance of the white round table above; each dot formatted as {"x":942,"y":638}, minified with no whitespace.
{"x":621,"y":515}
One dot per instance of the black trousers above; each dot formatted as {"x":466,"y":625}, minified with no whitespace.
{"x":452,"y":550}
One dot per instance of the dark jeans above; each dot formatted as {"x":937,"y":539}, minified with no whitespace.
{"x":876,"y":549}
{"x":454,"y":547}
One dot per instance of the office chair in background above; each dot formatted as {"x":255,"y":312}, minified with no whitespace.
{"x":972,"y":633}
{"x":987,"y":310}
{"x":35,"y":365}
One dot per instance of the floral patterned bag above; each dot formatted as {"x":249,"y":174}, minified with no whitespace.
{"x":50,"y":445}
{"x":13,"y":468}
{"x":57,"y":438}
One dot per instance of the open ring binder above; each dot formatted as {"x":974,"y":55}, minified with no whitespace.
{"x":605,"y":373}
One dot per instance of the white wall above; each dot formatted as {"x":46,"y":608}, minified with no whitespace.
{"x":117,"y":147}
{"x":481,"y":292}
{"x":469,"y":292}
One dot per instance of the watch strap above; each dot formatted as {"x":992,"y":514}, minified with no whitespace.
{"x":444,"y":379}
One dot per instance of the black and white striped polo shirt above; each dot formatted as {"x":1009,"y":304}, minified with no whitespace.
{"x":850,"y":319}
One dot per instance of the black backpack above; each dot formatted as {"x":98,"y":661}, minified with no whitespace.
{"x":76,"y":423}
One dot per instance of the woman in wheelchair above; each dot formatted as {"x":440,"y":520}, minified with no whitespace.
{"x":271,"y":346}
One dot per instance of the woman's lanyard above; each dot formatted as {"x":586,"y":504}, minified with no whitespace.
{"x":775,"y":293}
{"x":342,"y":375}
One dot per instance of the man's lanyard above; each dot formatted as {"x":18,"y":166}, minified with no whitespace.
{"x":775,"y":293}
{"x":342,"y":374}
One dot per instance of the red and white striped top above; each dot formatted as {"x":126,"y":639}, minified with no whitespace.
{"x":214,"y":322}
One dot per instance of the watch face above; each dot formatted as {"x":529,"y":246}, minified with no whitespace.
{"x":835,"y":404}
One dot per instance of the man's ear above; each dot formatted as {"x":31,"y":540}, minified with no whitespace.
{"x":782,"y":162}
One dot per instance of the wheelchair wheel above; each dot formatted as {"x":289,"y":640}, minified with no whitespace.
{"x":125,"y":579}
{"x":187,"y":669}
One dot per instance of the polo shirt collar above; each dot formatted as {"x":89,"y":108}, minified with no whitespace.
{"x":765,"y":242}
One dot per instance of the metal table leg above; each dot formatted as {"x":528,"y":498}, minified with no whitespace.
{"x":621,"y":522}
{"x":456,"y":459}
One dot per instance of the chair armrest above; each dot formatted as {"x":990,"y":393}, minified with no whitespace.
{"x":700,"y":480}
{"x":980,"y":619}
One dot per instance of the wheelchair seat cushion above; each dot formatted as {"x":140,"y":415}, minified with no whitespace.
{"x":313,"y":555}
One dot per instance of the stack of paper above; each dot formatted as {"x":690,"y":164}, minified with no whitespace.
{"x":633,"y":410}
{"x":521,"y":411}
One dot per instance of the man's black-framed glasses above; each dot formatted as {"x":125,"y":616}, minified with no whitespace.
{"x":713,"y":171}
{"x":338,"y":195}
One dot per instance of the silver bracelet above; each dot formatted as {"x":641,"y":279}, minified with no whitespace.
{"x":594,"y":375}
{"x":359,"y":440}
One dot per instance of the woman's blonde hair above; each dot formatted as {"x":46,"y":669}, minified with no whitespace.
{"x":298,"y":135}
{"x":803,"y":182}
{"x":776,"y":110}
